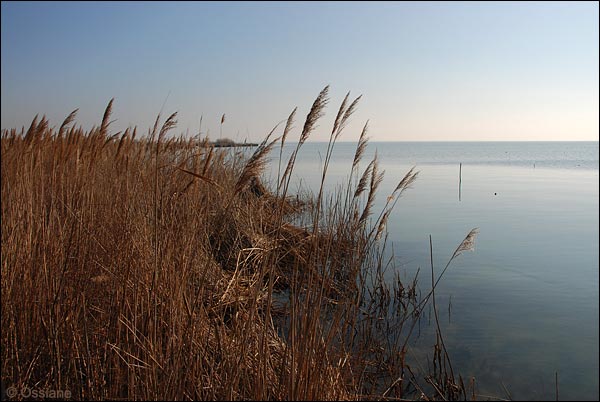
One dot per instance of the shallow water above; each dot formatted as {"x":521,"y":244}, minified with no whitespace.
{"x":524,"y":304}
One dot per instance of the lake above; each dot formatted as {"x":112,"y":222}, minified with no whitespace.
{"x":524,"y":303}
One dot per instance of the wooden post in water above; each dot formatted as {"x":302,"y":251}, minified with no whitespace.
{"x":459,"y":180}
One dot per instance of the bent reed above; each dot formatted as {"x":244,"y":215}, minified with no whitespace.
{"x":148,"y":267}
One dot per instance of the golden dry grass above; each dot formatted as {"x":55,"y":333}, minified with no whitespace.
{"x":158,"y":268}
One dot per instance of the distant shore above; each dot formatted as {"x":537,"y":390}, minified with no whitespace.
{"x":226,"y":142}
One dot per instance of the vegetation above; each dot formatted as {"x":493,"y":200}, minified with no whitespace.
{"x":148,"y":267}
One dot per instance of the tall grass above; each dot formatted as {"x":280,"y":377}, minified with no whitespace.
{"x":160,"y":267}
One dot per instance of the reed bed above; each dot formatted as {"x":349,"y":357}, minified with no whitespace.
{"x":159,"y":267}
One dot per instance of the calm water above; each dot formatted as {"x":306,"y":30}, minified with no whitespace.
{"x":525,"y":302}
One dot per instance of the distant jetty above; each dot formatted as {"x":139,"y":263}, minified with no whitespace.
{"x":226,"y":142}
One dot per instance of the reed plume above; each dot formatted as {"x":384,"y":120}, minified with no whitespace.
{"x":105,"y":122}
{"x":406,"y":182}
{"x":468,"y":244}
{"x":169,"y":124}
{"x":315,"y":113}
{"x":376,"y":179}
{"x":340,"y":113}
{"x":67,"y":121}
{"x":361,"y":146}
{"x":256,"y":163}
{"x":351,"y":109}
{"x":364,"y":179}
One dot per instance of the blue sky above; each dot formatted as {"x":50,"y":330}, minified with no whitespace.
{"x":427,"y":71}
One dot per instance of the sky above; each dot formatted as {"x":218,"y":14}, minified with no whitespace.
{"x":451,"y":71}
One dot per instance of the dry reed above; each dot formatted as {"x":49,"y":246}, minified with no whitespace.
{"x":124,"y":279}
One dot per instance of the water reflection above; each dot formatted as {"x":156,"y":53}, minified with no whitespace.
{"x":525,"y":303}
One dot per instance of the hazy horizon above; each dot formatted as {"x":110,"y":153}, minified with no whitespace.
{"x":374,"y":141}
{"x":427,"y":71}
